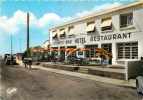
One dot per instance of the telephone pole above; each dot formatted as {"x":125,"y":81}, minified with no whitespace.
{"x":11,"y":45}
{"x":28,"y":49}
{"x":11,"y":49}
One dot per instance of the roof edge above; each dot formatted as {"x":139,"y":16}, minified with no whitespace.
{"x":98,"y":13}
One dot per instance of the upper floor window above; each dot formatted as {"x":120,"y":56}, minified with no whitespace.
{"x":90,"y":27}
{"x":70,"y":31}
{"x":126,"y":20}
{"x":62,"y":33}
{"x":106,"y":24}
{"x":54,"y":35}
{"x":70,"y":28}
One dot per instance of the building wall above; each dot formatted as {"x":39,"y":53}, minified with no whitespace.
{"x":139,"y":24}
{"x":80,"y":32}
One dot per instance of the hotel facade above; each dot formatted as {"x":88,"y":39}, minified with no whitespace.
{"x":118,"y":30}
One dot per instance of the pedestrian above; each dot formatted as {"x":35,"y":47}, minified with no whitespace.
{"x":30,"y":63}
{"x":24,"y":61}
{"x":25,"y":65}
{"x":139,"y":86}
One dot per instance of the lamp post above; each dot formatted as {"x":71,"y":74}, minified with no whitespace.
{"x":11,"y":48}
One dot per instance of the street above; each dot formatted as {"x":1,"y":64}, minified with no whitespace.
{"x":19,"y":83}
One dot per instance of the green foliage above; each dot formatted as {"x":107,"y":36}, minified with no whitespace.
{"x":28,"y":53}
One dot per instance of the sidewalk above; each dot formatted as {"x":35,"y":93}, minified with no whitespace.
{"x":130,"y":83}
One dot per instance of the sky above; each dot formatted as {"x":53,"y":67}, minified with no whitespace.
{"x":44,"y":14}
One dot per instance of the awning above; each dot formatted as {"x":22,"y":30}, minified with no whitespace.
{"x":38,"y":49}
{"x":54,"y":35}
{"x":71,"y":32}
{"x":106,"y":23}
{"x":90,"y":27}
{"x":53,"y":49}
{"x":84,"y":49}
{"x":69,"y":49}
{"x":62,"y":33}
{"x":72,"y":51}
{"x":62,"y":49}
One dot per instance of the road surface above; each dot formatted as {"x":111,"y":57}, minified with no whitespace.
{"x":21,"y":84}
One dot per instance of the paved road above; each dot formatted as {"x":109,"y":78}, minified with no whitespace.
{"x":22,"y":84}
{"x":1,"y":63}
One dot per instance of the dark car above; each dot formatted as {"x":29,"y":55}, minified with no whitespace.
{"x":10,"y":59}
{"x":77,"y":60}
{"x":14,"y":59}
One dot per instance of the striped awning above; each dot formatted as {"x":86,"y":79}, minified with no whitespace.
{"x":62,"y":32}
{"x":90,"y":27}
{"x":54,"y":34}
{"x":106,"y":23}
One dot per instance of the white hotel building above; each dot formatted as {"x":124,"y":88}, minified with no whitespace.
{"x":118,"y":30}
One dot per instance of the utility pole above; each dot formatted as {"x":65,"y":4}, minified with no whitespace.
{"x":11,"y":43}
{"x":28,"y":49}
{"x":20,"y":50}
{"x":28,"y":60}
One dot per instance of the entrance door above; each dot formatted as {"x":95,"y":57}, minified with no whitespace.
{"x":107,"y":47}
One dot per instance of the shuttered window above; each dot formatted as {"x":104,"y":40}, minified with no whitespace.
{"x":90,"y":28}
{"x":62,"y":33}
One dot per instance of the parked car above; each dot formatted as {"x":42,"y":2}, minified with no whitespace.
{"x":77,"y":60}
{"x":7,"y":59}
{"x":14,"y":59}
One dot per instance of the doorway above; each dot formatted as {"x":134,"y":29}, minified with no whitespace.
{"x":107,"y":47}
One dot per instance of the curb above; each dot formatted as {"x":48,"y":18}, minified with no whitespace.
{"x":118,"y":82}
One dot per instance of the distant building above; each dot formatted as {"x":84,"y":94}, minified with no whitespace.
{"x":118,"y":30}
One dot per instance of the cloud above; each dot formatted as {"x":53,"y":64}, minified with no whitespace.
{"x":48,"y":18}
{"x":99,"y":8}
{"x":13,"y":25}
{"x":16,"y":24}
{"x":10,"y":25}
{"x":105,"y":6}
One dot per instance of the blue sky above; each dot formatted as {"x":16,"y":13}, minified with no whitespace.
{"x":43,"y":15}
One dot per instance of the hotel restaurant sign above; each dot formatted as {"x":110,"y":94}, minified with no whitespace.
{"x":93,"y":38}
{"x":110,"y":37}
